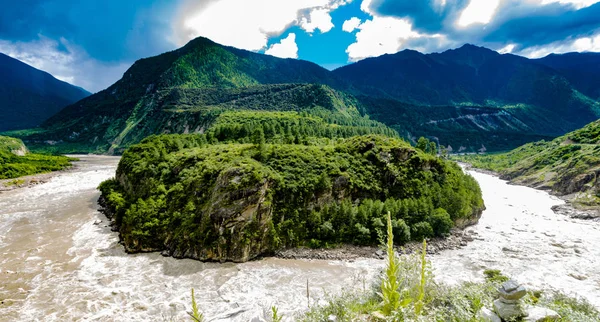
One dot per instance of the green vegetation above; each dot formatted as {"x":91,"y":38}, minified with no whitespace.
{"x":275,"y":316}
{"x":407,"y":292}
{"x":16,"y":161}
{"x":234,"y":201}
{"x":569,"y":164}
{"x":196,"y":315}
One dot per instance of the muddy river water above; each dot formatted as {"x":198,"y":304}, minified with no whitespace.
{"x":58,"y":262}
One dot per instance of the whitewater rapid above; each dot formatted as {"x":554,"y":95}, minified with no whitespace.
{"x":58,"y":262}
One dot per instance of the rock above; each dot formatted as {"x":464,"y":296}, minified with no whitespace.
{"x":511,"y":291}
{"x":509,"y":311}
{"x":540,"y":314}
{"x":331,"y":318}
{"x":97,"y":222}
{"x":486,"y":315}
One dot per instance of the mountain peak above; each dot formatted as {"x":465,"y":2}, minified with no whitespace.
{"x":470,"y":48}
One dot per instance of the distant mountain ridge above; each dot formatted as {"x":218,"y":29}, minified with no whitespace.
{"x":29,"y":96}
{"x":469,"y":98}
{"x":474,"y":92}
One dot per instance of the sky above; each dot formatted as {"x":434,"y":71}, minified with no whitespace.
{"x":90,"y":43}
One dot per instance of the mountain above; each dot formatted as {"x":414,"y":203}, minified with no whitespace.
{"x":181,"y":91}
{"x":466,"y":99}
{"x":29,"y":96}
{"x":568,"y":165}
{"x":581,"y":69}
{"x":473,"y":92}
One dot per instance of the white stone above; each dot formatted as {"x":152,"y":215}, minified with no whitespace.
{"x":508,"y":311}
{"x":486,"y":315}
{"x":540,"y":314}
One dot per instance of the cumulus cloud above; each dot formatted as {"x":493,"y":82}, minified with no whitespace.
{"x":248,"y":24}
{"x":351,"y":24}
{"x":373,"y":37}
{"x":319,"y":19}
{"x":65,"y":61}
{"x":286,"y":48}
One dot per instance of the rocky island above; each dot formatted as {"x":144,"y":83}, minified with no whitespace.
{"x":234,"y":201}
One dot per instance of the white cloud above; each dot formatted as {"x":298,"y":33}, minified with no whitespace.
{"x":381,"y":35}
{"x":248,"y":24}
{"x":365,"y":6}
{"x":478,"y":11}
{"x":286,"y":48}
{"x":351,"y":24}
{"x":582,"y":44}
{"x":319,"y":19}
{"x":576,"y":3}
{"x":72,"y":65}
{"x":507,"y":49}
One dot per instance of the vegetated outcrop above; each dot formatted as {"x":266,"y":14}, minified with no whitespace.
{"x":236,"y":201}
{"x":16,"y":161}
{"x":568,"y":165}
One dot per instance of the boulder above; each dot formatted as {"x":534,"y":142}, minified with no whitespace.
{"x":486,"y":315}
{"x":540,"y":314}
{"x":509,"y":311}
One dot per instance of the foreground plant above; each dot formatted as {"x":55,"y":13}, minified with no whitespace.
{"x":390,"y":285}
{"x":195,"y":314}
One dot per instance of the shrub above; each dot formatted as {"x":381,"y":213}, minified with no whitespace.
{"x":421,"y":230}
{"x":440,"y":222}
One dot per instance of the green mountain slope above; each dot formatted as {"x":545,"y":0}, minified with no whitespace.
{"x":29,"y":96}
{"x":183,"y":91}
{"x":253,"y":199}
{"x":569,"y":164}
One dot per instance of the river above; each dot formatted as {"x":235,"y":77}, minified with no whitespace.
{"x":58,"y":262}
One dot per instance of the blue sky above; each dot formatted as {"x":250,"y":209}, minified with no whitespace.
{"x":90,"y":43}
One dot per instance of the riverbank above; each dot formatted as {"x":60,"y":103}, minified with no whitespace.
{"x":38,"y":178}
{"x":573,"y":207}
{"x":457,"y":239}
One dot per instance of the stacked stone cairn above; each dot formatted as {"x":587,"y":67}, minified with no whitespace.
{"x":508,"y":306}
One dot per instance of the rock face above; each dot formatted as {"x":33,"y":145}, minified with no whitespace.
{"x":508,"y":306}
{"x":241,"y":218}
